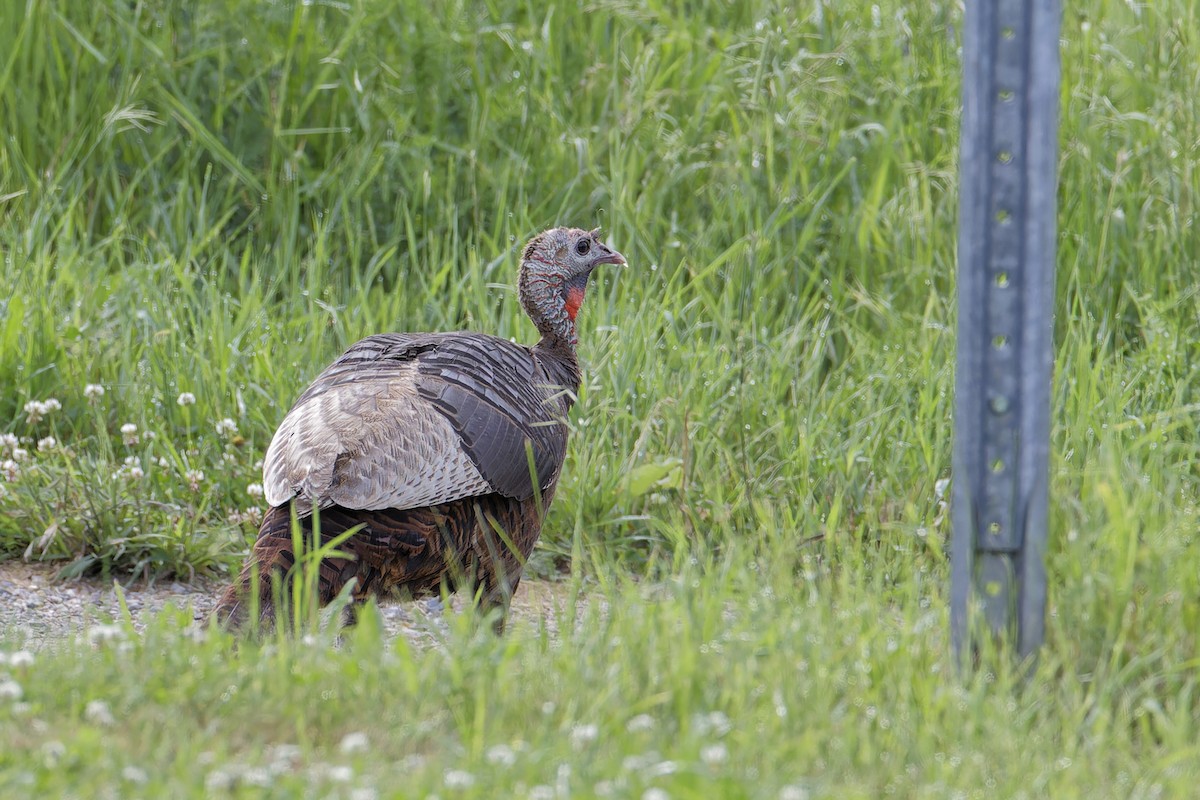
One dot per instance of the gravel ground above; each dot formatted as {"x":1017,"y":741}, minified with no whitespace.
{"x":39,"y":609}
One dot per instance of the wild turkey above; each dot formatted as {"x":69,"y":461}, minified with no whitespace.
{"x":425,"y":440}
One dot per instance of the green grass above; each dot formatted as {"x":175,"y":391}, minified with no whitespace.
{"x":217,"y":198}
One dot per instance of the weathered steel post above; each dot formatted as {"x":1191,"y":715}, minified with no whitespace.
{"x":1006,"y":246}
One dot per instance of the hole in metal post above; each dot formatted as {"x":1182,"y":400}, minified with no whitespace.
{"x":1007,"y":32}
{"x":1003,"y":217}
{"x":999,"y":341}
{"x":998,"y":466}
{"x":1004,"y":156}
{"x":994,"y":528}
{"x":1006,"y":95}
{"x":1001,"y":280}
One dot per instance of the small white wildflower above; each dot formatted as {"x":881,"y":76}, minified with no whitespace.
{"x":21,"y":658}
{"x":132,"y":461}
{"x":129,"y":433}
{"x":655,"y":793}
{"x":662,"y":768}
{"x":93,"y":392}
{"x":9,"y":441}
{"x":458,"y":779}
{"x":134,"y":774}
{"x":363,"y":793}
{"x":162,"y":462}
{"x":793,"y":793}
{"x":99,"y":634}
{"x":583,"y":734}
{"x":34,"y":411}
{"x":256,"y":776}
{"x":714,"y":754}
{"x":226,"y":427}
{"x":251,"y":516}
{"x":219,"y":780}
{"x":98,"y":713}
{"x":48,"y":443}
{"x":20,"y":454}
{"x":355,"y":742}
{"x":717,"y":722}
{"x":341,"y":774}
{"x":284,"y":752}
{"x":51,"y":404}
{"x":234,"y":518}
{"x":541,"y":792}
{"x":136,"y":473}
{"x":500,"y":754}
{"x":186,"y":399}
{"x":255,"y":490}
{"x":229,"y":458}
{"x":640,"y":724}
{"x":9,"y":469}
{"x":10,"y":690}
{"x":194,"y":478}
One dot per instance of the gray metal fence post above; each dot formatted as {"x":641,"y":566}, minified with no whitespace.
{"x":1007,"y":181}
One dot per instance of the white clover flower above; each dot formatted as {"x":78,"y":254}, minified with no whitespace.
{"x":99,"y":634}
{"x":341,"y":774}
{"x":49,"y":443}
{"x":458,"y":779}
{"x":655,"y":793}
{"x":541,"y":792}
{"x":500,"y":754}
{"x":255,"y":490}
{"x":186,"y":399}
{"x":10,"y":690}
{"x":129,"y":433}
{"x":226,"y":427}
{"x":20,"y":454}
{"x":793,"y":793}
{"x":583,"y":734}
{"x":714,"y":754}
{"x":194,"y":478}
{"x":640,"y":724}
{"x":134,"y":774}
{"x":132,"y":461}
{"x":251,"y":516}
{"x":9,"y":441}
{"x":136,"y":473}
{"x":717,"y":722}
{"x":21,"y":658}
{"x":98,"y":713}
{"x":93,"y":392}
{"x":355,"y":742}
{"x":33,"y":412}
{"x":51,"y":404}
{"x":162,"y":462}
{"x":10,"y":469}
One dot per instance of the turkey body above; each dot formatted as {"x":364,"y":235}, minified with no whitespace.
{"x":440,"y":451}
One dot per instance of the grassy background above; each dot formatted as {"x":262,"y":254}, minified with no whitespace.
{"x":217,"y":198}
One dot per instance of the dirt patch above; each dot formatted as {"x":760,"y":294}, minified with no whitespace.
{"x":39,"y":609}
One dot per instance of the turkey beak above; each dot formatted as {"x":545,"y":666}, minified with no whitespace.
{"x":606,"y":255}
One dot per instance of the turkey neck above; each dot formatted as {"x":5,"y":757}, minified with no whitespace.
{"x":558,"y":360}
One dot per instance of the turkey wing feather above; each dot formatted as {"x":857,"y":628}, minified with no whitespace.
{"x":405,"y":421}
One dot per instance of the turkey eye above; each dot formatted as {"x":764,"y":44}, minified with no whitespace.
{"x":583,"y":246}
